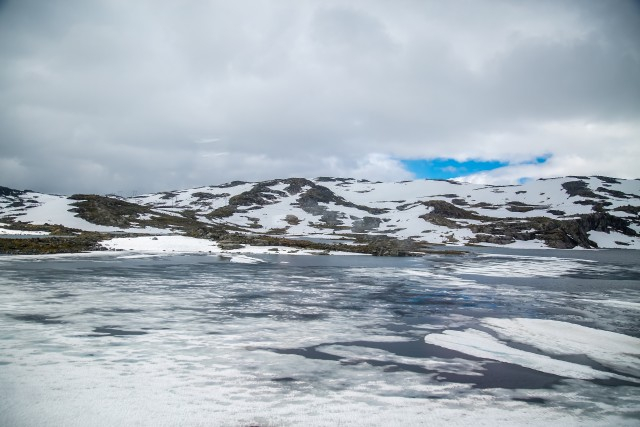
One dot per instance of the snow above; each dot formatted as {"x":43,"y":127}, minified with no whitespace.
{"x":7,"y":231}
{"x":616,"y":351}
{"x":608,"y":240}
{"x":159,"y":244}
{"x":612,"y":350}
{"x":190,"y":245}
{"x":481,"y":344}
{"x":56,"y":210}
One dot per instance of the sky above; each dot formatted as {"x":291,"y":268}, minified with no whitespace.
{"x":119,"y":96}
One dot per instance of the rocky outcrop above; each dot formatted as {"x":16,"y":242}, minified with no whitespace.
{"x":444,"y":213}
{"x":310,"y":199}
{"x":107,"y":211}
{"x":559,"y":234}
{"x":9,"y":192}
{"x":366,"y":224}
{"x":580,"y":189}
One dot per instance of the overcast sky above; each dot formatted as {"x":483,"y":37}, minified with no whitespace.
{"x":137,"y":96}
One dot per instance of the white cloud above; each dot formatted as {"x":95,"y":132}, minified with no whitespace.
{"x":579,"y":148}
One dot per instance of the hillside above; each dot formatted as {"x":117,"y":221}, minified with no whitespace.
{"x":569,"y":212}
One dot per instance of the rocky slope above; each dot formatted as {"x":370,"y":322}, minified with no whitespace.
{"x":569,"y":212}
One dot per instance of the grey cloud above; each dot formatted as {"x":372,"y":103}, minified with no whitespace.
{"x":106,"y":94}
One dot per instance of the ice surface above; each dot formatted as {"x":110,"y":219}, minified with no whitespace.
{"x":142,"y":338}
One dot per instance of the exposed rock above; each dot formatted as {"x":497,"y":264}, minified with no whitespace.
{"x":440,"y":208}
{"x":616,"y":193}
{"x":53,"y":245}
{"x":365,"y":224}
{"x":228,"y":246}
{"x":107,"y":211}
{"x":200,"y":195}
{"x":522,"y":207}
{"x":292,"y":219}
{"x":9,"y":192}
{"x":580,"y":189}
{"x":231,"y":184}
{"x":607,"y":179}
{"x":310,"y":199}
{"x":635,"y":210}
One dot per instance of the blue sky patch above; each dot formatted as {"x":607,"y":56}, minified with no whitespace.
{"x":442,"y":168}
{"x":449,"y":168}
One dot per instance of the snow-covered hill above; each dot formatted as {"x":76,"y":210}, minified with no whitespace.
{"x":562,"y":212}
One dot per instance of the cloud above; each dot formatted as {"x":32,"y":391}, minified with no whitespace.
{"x":109,"y":95}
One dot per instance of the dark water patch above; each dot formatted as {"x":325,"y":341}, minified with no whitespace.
{"x":278,"y":315}
{"x":37,"y":318}
{"x":615,"y":382}
{"x":284,"y":379}
{"x":203,"y":310}
{"x":62,"y":295}
{"x":494,"y":375}
{"x":114,"y":332}
{"x":306,"y":352}
{"x":510,"y":376}
{"x":579,"y":359}
{"x":414,"y":348}
{"x":123,"y":310}
{"x":251,"y":296}
{"x":534,"y":400}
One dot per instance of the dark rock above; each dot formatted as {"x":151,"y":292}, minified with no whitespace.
{"x":10,"y":192}
{"x":106,"y":210}
{"x":616,"y":193}
{"x":635,"y":210}
{"x":608,"y":180}
{"x":365,"y":224}
{"x":580,"y":189}
{"x":231,"y":184}
{"x":292,"y":219}
{"x":227,"y":246}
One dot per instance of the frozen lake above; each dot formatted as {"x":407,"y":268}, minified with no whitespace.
{"x":495,"y":337}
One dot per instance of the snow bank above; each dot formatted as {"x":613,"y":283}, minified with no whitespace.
{"x":161,"y":244}
{"x":56,"y":210}
{"x":190,"y":245}
{"x":6,"y":231}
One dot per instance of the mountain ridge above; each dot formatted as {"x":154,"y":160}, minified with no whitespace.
{"x":564,"y":212}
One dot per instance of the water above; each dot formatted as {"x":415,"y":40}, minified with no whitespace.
{"x":317,"y":340}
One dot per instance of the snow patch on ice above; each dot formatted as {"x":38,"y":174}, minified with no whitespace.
{"x":616,"y":351}
{"x":481,"y":344}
